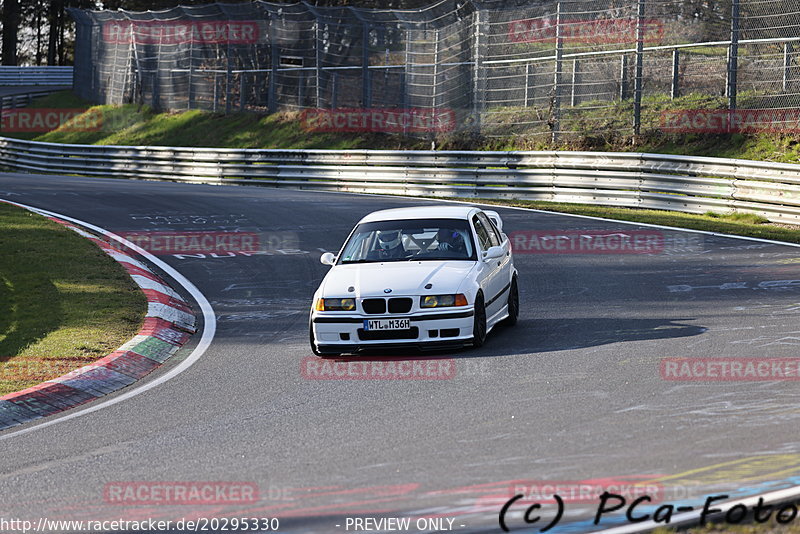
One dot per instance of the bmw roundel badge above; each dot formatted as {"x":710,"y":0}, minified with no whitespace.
{"x":387,"y":290}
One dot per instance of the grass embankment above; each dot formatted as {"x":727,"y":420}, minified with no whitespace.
{"x":594,"y":126}
{"x":63,"y":302}
{"x":139,"y":125}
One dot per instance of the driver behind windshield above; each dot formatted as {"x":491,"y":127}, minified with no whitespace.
{"x":390,"y":245}
{"x":450,"y":240}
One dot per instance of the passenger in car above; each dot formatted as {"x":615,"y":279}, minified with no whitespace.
{"x":390,"y":245}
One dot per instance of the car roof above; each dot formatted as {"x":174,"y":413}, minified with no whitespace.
{"x":421,"y":212}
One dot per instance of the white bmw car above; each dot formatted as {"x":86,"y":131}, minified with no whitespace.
{"x":425,"y":277}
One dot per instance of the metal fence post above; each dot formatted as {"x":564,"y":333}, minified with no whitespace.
{"x":386,"y":72}
{"x":190,"y":103}
{"x":272,"y":98}
{"x":637,"y":82}
{"x":334,"y":90}
{"x":406,"y":79}
{"x":228,"y":79}
{"x":242,"y":91}
{"x":788,"y":50}
{"x":318,"y":63}
{"x":556,"y":112}
{"x":436,"y":59}
{"x":528,"y":69}
{"x":676,"y":63}
{"x":366,"y":78}
{"x":216,"y":86}
{"x":156,"y":95}
{"x":301,"y":88}
{"x":407,"y":74}
{"x":733,"y":56}
{"x":623,"y":77}
{"x":479,"y":74}
{"x":573,"y":100}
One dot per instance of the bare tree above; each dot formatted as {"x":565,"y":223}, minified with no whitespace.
{"x":10,"y":29}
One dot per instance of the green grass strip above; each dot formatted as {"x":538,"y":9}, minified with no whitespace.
{"x":63,"y":302}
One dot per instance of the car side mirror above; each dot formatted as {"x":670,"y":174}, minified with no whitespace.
{"x":493,"y":253}
{"x":327,"y":259}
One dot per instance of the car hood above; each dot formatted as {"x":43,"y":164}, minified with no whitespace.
{"x":403,"y":278}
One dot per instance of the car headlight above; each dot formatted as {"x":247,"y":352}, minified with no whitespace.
{"x":336,"y":305}
{"x":443,"y":301}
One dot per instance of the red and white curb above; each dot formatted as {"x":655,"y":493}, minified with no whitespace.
{"x":167,"y":326}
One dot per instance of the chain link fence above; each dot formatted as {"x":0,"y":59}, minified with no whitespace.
{"x":544,"y":70}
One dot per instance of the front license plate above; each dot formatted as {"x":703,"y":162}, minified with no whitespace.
{"x":387,"y":324}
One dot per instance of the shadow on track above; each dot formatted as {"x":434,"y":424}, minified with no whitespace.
{"x":531,"y":336}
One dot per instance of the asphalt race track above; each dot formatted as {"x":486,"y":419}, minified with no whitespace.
{"x":574,"y":392}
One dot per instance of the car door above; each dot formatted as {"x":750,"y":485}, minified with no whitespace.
{"x":489,"y":276}
{"x":507,"y":265}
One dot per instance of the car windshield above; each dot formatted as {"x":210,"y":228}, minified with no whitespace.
{"x":411,"y":240}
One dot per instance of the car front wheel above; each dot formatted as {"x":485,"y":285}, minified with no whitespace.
{"x":479,"y":323}
{"x":513,"y":303}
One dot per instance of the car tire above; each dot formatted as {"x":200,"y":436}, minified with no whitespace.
{"x":479,"y":322}
{"x":513,"y":303}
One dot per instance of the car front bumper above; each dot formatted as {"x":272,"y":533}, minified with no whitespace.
{"x":339,"y":333}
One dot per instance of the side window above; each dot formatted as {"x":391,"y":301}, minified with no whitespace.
{"x":484,"y":240}
{"x":491,"y":229}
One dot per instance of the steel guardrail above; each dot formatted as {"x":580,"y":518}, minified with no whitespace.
{"x":24,"y":99}
{"x":637,"y":180}
{"x":35,"y":75}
